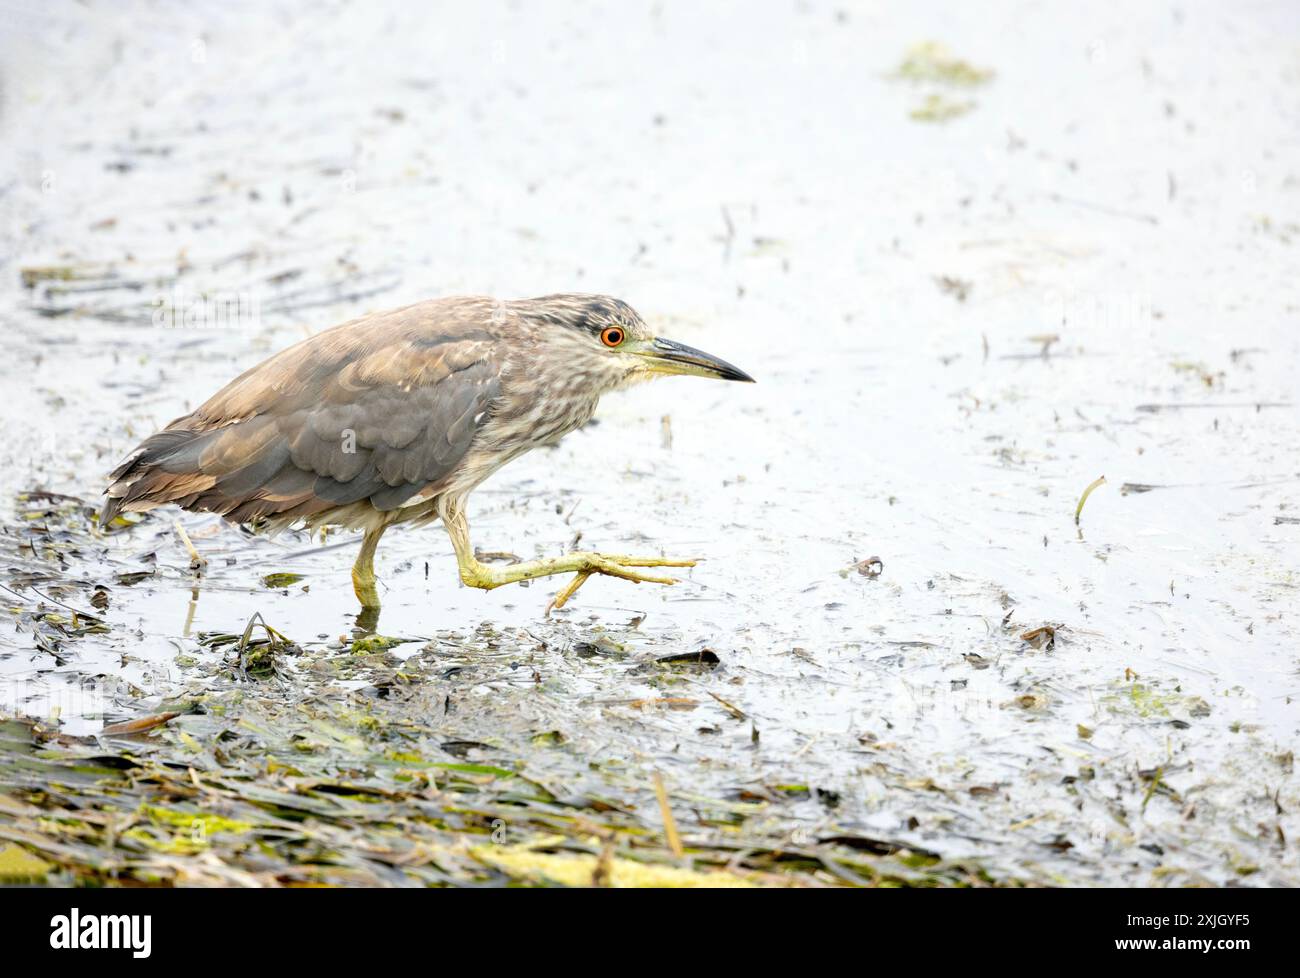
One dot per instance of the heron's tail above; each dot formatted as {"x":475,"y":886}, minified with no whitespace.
{"x":135,"y":485}
{"x":242,"y":472}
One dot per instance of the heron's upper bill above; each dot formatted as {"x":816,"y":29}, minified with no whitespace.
{"x":669,"y":357}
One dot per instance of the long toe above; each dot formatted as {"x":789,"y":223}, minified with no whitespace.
{"x":612,"y":569}
{"x":625,"y":561}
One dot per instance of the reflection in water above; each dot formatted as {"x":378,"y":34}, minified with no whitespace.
{"x":368,"y":620}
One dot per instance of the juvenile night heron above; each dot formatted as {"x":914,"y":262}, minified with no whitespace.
{"x":397,"y":416}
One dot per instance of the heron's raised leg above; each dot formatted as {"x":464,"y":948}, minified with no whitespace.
{"x":363,"y":571}
{"x":582,"y":563}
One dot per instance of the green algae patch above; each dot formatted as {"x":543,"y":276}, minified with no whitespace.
{"x":931,"y":61}
{"x":368,"y":644}
{"x":33,"y":275}
{"x":1143,"y":700}
{"x":281,"y":580}
{"x":18,"y":866}
{"x":939,"y":108}
{"x":180,"y":819}
{"x":930,"y":65}
{"x":175,"y":831}
{"x":549,"y":738}
{"x":1148,"y":701}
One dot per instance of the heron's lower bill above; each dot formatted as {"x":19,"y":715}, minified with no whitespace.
{"x":669,"y":357}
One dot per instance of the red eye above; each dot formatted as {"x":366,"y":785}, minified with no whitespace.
{"x":611,"y":335}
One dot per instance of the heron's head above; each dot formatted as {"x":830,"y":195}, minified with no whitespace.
{"x":604,"y":339}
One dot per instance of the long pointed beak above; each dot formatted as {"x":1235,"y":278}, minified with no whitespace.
{"x":667,"y":357}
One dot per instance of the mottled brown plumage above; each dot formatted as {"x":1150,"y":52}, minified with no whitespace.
{"x":398,"y":415}
{"x":339,"y":428}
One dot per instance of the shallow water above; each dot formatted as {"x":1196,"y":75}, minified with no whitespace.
{"x":758,"y":187}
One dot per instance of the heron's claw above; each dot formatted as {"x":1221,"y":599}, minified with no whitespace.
{"x":616,"y":565}
{"x":582,"y":564}
{"x":569,"y":591}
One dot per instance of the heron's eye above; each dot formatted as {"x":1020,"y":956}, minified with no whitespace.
{"x":611,"y":335}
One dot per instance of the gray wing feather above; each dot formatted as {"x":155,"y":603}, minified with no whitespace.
{"x":357,"y":455}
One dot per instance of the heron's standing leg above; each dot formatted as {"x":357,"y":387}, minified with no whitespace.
{"x":363,"y":571}
{"x":582,"y":563}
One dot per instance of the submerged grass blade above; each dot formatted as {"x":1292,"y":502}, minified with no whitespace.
{"x":670,"y":823}
{"x":1078,"y":510}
